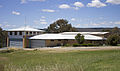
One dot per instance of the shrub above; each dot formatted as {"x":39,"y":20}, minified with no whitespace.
{"x":79,"y":38}
{"x":83,"y":44}
{"x":76,"y":45}
{"x":0,"y":45}
{"x":67,"y":45}
{"x":90,"y":44}
{"x":113,"y":39}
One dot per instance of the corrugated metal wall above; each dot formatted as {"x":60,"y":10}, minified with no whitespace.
{"x":16,"y":43}
{"x":37,"y":43}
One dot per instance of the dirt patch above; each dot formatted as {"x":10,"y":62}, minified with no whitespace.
{"x":3,"y":58}
{"x":69,"y":49}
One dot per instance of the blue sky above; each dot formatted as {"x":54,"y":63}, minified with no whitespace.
{"x":41,"y":13}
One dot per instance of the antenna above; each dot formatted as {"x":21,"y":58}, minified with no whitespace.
{"x":25,"y":25}
{"x":25,"y":22}
{"x":24,"y":44}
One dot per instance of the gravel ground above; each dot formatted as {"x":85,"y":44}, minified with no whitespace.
{"x":72,"y":48}
{"x":63,"y":49}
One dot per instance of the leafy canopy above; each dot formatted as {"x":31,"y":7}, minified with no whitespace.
{"x":3,"y":36}
{"x":79,"y":38}
{"x":113,"y":39}
{"x":59,"y":26}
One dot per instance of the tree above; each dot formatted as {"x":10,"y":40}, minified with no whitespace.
{"x":115,"y":30}
{"x":79,"y":38}
{"x":113,"y":39}
{"x":3,"y":37}
{"x":59,"y":26}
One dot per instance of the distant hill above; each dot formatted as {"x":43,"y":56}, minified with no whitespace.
{"x":90,"y":29}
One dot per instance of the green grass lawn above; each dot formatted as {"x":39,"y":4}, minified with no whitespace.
{"x":21,"y":60}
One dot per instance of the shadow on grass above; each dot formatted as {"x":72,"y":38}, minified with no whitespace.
{"x":1,"y":67}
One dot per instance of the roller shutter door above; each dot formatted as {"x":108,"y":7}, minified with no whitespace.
{"x":37,"y":43}
{"x":16,"y":43}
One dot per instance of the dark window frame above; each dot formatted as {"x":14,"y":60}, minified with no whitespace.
{"x":59,"y":40}
{"x":30,"y":33}
{"x":15,"y":33}
{"x":34,"y":33}
{"x":11,"y":33}
{"x":27,"y":33}
{"x":51,"y":40}
{"x":20,"y":33}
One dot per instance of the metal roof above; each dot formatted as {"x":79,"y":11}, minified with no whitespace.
{"x":61,"y":36}
{"x":25,"y":29}
{"x":75,"y":33}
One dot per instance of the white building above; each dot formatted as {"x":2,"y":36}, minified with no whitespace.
{"x":16,"y":35}
{"x":48,"y":40}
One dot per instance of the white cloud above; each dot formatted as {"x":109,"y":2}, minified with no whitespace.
{"x":96,"y":3}
{"x":7,"y":25}
{"x":36,"y":22}
{"x":48,"y":10}
{"x":23,"y":1}
{"x":78,"y":25}
{"x":95,"y":24}
{"x":43,"y":22}
{"x":64,"y":6}
{"x":43,"y":17}
{"x":76,"y":8}
{"x":0,"y":25}
{"x":78,"y":4}
{"x":15,"y":13}
{"x":118,"y":22}
{"x":73,"y":19}
{"x":37,"y":0}
{"x":113,"y":1}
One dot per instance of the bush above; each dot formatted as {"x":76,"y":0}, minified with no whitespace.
{"x":113,"y":39}
{"x":0,"y":46}
{"x":83,"y":44}
{"x":80,"y":38}
{"x":67,"y":45}
{"x":76,"y":45}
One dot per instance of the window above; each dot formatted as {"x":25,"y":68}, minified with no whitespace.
{"x":59,"y":40}
{"x":52,"y":40}
{"x":34,"y":33}
{"x":37,"y":32}
{"x":66,"y":39}
{"x":27,"y":33}
{"x":20,"y":33}
{"x":15,"y":33}
{"x":10,"y":33}
{"x":30,"y":33}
